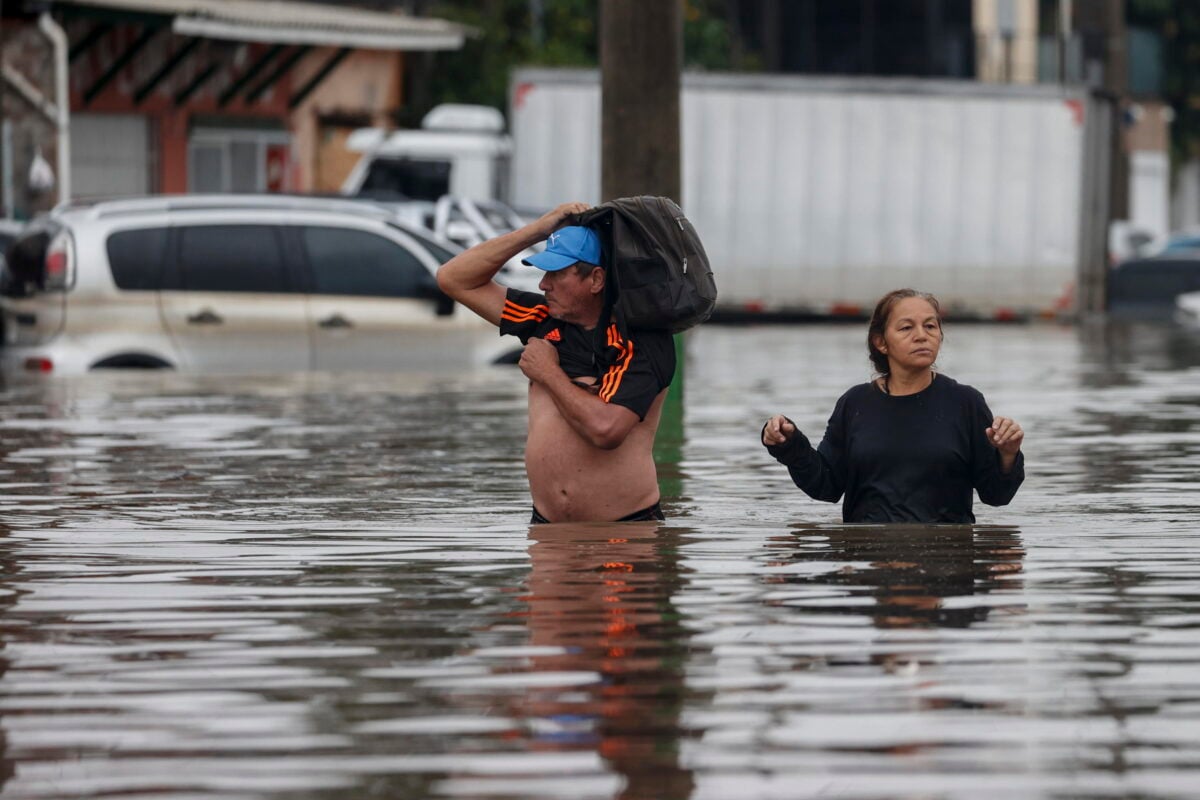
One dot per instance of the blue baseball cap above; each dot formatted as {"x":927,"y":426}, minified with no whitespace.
{"x":565,"y":247}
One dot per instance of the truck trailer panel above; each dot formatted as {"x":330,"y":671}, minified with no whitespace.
{"x":816,"y":194}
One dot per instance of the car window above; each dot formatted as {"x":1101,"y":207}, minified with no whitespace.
{"x":347,"y":261}
{"x":418,"y":179}
{"x":436,"y":249}
{"x":136,"y":258}
{"x":231,"y":258}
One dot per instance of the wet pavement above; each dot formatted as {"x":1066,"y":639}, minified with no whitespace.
{"x":322,"y":586}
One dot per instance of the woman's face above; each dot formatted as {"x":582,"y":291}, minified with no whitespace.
{"x":912,"y":337}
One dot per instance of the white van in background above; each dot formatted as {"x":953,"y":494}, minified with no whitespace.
{"x":460,"y":150}
{"x":451,"y":177}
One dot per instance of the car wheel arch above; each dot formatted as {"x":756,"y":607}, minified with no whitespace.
{"x":132,"y":361}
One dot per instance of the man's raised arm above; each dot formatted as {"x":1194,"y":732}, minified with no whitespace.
{"x":468,"y":276}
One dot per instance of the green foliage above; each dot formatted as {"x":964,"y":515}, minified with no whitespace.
{"x":508,"y":36}
{"x":707,"y":43}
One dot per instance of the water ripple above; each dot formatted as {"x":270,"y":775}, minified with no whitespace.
{"x":323,"y":587}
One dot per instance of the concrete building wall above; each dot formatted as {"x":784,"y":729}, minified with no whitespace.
{"x":365,"y":90}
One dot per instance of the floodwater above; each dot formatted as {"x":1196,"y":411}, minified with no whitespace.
{"x":324,"y":587}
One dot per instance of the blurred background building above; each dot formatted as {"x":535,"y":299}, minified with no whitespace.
{"x":242,"y":95}
{"x":198,"y":96}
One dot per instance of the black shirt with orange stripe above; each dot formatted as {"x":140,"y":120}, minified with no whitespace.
{"x":630,"y":369}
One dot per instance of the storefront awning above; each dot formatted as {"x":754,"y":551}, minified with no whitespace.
{"x":293,"y":23}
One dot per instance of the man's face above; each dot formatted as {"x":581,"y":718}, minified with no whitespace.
{"x":571,"y":297}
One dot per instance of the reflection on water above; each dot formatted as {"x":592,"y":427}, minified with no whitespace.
{"x":909,"y":572}
{"x":603,"y":594}
{"x":323,"y":587}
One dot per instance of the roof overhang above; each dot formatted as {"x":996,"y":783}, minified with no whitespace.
{"x":291,"y":22}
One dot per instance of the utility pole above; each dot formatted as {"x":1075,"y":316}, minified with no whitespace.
{"x":1116,"y":80}
{"x":1106,"y":67}
{"x":1063,"y":38}
{"x":641,"y":60}
{"x":641,"y":56}
{"x":6,"y":194}
{"x":1102,"y":23}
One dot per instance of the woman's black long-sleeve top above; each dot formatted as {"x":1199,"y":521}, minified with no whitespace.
{"x":907,"y":458}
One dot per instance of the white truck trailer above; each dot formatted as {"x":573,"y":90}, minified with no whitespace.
{"x":814,"y":196}
{"x":818,"y":195}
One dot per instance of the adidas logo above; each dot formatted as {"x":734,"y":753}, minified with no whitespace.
{"x":553,"y":336}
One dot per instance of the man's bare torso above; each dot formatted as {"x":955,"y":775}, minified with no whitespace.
{"x":572,"y":480}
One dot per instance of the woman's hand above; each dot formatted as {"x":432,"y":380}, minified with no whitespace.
{"x":777,"y":431}
{"x":1006,"y":436}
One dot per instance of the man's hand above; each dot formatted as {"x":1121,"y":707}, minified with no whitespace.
{"x":468,"y":276}
{"x":778,"y":430}
{"x":552,"y":220}
{"x":539,"y":360}
{"x":602,"y":425}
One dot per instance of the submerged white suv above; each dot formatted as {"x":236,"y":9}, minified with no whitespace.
{"x":234,"y":284}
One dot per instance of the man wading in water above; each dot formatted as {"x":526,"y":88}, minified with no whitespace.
{"x":595,"y":392}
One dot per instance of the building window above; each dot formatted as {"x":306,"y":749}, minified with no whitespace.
{"x":234,"y":160}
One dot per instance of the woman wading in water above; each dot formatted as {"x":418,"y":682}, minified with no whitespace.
{"x":912,"y":445}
